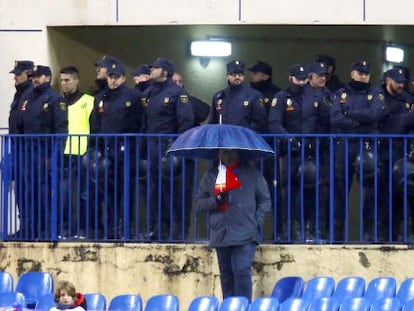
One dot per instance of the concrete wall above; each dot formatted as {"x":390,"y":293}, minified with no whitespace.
{"x":191,"y":270}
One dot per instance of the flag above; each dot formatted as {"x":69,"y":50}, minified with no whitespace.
{"x":226,"y":180}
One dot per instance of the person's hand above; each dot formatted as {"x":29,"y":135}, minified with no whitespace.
{"x":222,"y":198}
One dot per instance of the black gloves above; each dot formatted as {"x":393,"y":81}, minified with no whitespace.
{"x":222,"y":198}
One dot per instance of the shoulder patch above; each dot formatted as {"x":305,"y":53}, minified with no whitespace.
{"x":274,"y":102}
{"x":184,"y":98}
{"x":381,"y":97}
{"x":62,"y":106}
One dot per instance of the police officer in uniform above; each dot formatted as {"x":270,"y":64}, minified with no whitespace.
{"x":42,"y":111}
{"x":357,"y":108}
{"x":141,"y":77}
{"x":238,"y":104}
{"x":396,"y":119}
{"x":168,"y":111}
{"x":119,"y":111}
{"x":333,"y":82}
{"x":292,"y":112}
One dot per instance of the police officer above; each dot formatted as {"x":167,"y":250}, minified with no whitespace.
{"x":168,"y":111}
{"x":332,"y":81}
{"x":238,"y":104}
{"x":201,"y":109}
{"x":42,"y":111}
{"x":120,"y":111}
{"x":80,"y":106}
{"x":357,"y":109}
{"x":396,"y":120}
{"x":292,"y":112}
{"x":141,"y":77}
{"x":102,"y":65}
{"x":261,"y":80}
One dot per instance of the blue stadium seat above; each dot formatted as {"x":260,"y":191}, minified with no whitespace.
{"x":265,"y":304}
{"x":408,"y":306}
{"x":406,"y":291}
{"x":204,"y":303}
{"x":294,"y":304}
{"x":355,"y":304}
{"x":162,"y":303}
{"x":11,"y":299}
{"x":324,"y":304}
{"x":348,"y":288}
{"x":95,"y":302}
{"x":236,"y":303}
{"x":45,"y":302}
{"x":318,"y":287}
{"x":6,"y":282}
{"x":34,"y":285}
{"x":386,"y":304}
{"x":126,"y":302}
{"x":288,"y":287}
{"x":381,"y":287}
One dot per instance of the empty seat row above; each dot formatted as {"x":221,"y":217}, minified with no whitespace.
{"x":347,"y":288}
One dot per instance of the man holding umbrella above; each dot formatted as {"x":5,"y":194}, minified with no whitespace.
{"x":237,"y":197}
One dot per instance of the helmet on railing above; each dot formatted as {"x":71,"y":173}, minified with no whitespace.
{"x":309,"y":170}
{"x":368,"y":165}
{"x":171,"y":163}
{"x":403,"y":170}
{"x":101,"y":168}
{"x":90,"y":156}
{"x":142,"y":169}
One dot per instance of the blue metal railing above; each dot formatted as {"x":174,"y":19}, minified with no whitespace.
{"x":324,"y":188}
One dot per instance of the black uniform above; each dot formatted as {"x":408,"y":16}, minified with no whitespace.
{"x":42,"y":111}
{"x":168,"y":111}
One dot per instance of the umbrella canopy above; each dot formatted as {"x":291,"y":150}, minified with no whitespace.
{"x":204,"y":141}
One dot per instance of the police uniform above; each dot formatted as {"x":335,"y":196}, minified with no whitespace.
{"x":333,"y":83}
{"x":239,"y":104}
{"x":119,"y":111}
{"x":295,"y":112}
{"x":143,"y":69}
{"x":396,"y":119}
{"x":357,"y":108}
{"x":168,"y":110}
{"x":43,"y":111}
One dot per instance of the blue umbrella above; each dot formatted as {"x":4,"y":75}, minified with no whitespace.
{"x":204,"y":141}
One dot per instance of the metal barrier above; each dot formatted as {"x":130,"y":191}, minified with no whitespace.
{"x":325,"y":189}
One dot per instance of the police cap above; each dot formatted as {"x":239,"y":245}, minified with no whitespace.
{"x":326,"y":59}
{"x":22,"y":65}
{"x":235,"y":66}
{"x":361,"y":66}
{"x":300,"y":72}
{"x":318,"y":68}
{"x":397,"y":74}
{"x":164,"y":64}
{"x":107,"y":61}
{"x":41,"y":70}
{"x":261,"y":67}
{"x":116,"y":69}
{"x":143,"y":69}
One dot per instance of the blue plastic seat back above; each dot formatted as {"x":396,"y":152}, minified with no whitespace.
{"x":6,"y":282}
{"x":45,"y":302}
{"x":34,"y":285}
{"x":324,"y":304}
{"x":355,"y":304}
{"x":11,"y":299}
{"x":406,"y":290}
{"x":126,"y":302}
{"x":265,"y":304}
{"x":386,"y":304}
{"x":236,"y":303}
{"x":163,"y":302}
{"x":408,"y":305}
{"x":295,"y":304}
{"x":288,"y":287}
{"x":381,"y":287}
{"x":95,"y":302}
{"x":348,"y":288}
{"x":318,"y":287}
{"x":204,"y":303}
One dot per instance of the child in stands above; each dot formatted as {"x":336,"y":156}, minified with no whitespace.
{"x":67,"y":298}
